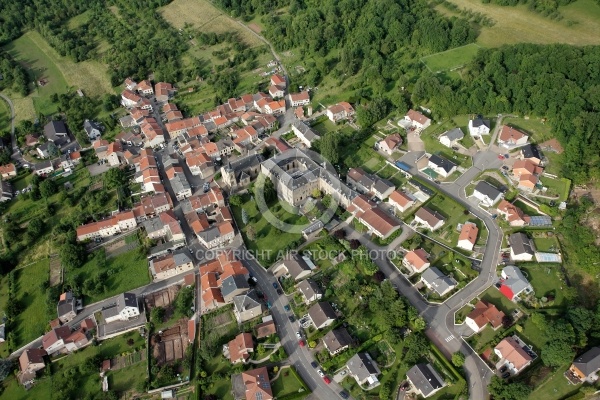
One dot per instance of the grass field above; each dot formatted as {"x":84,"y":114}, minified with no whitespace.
{"x":555,"y":187}
{"x":127,"y":271}
{"x":451,"y":59}
{"x":31,"y":321}
{"x":285,"y":385}
{"x":454,"y":214}
{"x":494,"y":296}
{"x":4,"y":116}
{"x":204,"y":16}
{"x":549,"y":244}
{"x":42,"y":61}
{"x":519,"y":25}
{"x":555,"y":387}
{"x":546,"y":279}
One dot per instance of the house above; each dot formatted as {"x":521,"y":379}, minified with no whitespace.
{"x":252,"y":385}
{"x":369,"y":184}
{"x":437,"y":281}
{"x":521,"y":247}
{"x":512,"y":283}
{"x":170,"y":265}
{"x":441,"y":165}
{"x":310,"y":291}
{"x":240,"y":173}
{"x":32,"y":360}
{"x":127,"y":307}
{"x":484,"y":313}
{"x":276,"y":91}
{"x":217,"y":235}
{"x":479,"y":126}
{"x":322,"y":314}
{"x":118,"y":223}
{"x":129,"y":99}
{"x":246,"y":307}
{"x":417,"y":120}
{"x":416,"y":260}
{"x":401,"y":201}
{"x":278,"y":80}
{"x":130,"y":84}
{"x":93,"y":129}
{"x":585,"y":367}
{"x":54,"y":340}
{"x":390,"y":144}
{"x":67,"y":307}
{"x":240,"y":348}
{"x":468,"y":236}
{"x":31,"y":140}
{"x":43,"y":150}
{"x":234,"y":285}
{"x":364,"y":370}
{"x":526,"y":172}
{"x":429,"y":218}
{"x":200,"y":164}
{"x":425,"y":380}
{"x":294,"y":266}
{"x":337,"y":340}
{"x":513,"y":214}
{"x":55,"y":131}
{"x":514,"y":354}
{"x":6,"y":191}
{"x":378,"y":222}
{"x":43,"y":168}
{"x":510,"y":137}
{"x":266,"y":328}
{"x":114,"y":154}
{"x":145,"y":88}
{"x":299,"y":99}
{"x":70,"y":160}
{"x":163,"y":91}
{"x":530,"y":152}
{"x":8,"y":171}
{"x":450,"y":138}
{"x":306,"y":135}
{"x":487,"y":194}
{"x":340,"y":111}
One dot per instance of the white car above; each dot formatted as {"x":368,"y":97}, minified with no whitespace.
{"x":298,"y":335}
{"x":321,"y":373}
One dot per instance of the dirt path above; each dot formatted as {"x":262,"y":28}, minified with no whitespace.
{"x":259,"y":36}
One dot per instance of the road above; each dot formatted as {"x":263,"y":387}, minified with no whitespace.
{"x":261,"y":38}
{"x":299,"y":357}
{"x":440,"y":317}
{"x":88,"y":310}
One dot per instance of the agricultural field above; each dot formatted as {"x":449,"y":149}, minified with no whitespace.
{"x":61,"y":74}
{"x":202,"y":15}
{"x":519,"y":25}
{"x":451,"y":59}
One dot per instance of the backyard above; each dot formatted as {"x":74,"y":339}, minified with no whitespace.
{"x":433,"y":146}
{"x":451,"y":59}
{"x":269,"y":240}
{"x":361,"y":154}
{"x":454,"y":214}
{"x":556,"y":187}
{"x":547,"y":281}
{"x":288,"y":383}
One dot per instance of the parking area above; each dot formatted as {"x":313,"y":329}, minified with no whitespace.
{"x":97,"y":169}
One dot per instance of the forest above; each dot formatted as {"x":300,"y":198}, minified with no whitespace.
{"x":13,"y":75}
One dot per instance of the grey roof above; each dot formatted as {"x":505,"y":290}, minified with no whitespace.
{"x":210,"y":234}
{"x":440,"y":282}
{"x":308,"y":133}
{"x":309,"y":288}
{"x":180,"y":184}
{"x":337,"y":339}
{"x":359,"y":176}
{"x":362,"y":366}
{"x":110,"y":312}
{"x":246,"y":301}
{"x":442,"y":162}
{"x":44,"y":146}
{"x":487,"y":190}
{"x":152,"y":225}
{"x":54,"y":128}
{"x":315,"y":226}
{"x":181,"y":258}
{"x":430,"y":216}
{"x":2,"y":331}
{"x":479,"y":122}
{"x":540,"y":220}
{"x":520,"y":243}
{"x":588,"y":362}
{"x":66,"y":306}
{"x":321,"y":312}
{"x":295,"y":265}
{"x":515,"y":279}
{"x":43,"y":165}
{"x":530,"y":151}
{"x":383,"y":185}
{"x":89,"y":126}
{"x":126,"y":299}
{"x":233,"y":283}
{"x":454,"y":134}
{"x":244,"y":163}
{"x":425,"y":378}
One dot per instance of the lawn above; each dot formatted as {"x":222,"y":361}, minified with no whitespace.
{"x":526,"y":209}
{"x":494,"y":296}
{"x":538,"y":130}
{"x":126,"y":271}
{"x":545,"y":244}
{"x":270,"y":240}
{"x":361,"y":155}
{"x":480,"y":340}
{"x":546,"y":279}
{"x":42,"y":61}
{"x":286,"y":384}
{"x":454,"y":214}
{"x":31,"y":321}
{"x":13,"y":391}
{"x":519,"y":25}
{"x":556,"y":387}
{"x":127,"y":378}
{"x":451,"y":59}
{"x":4,"y":116}
{"x":433,"y":146}
{"x":555,"y":187}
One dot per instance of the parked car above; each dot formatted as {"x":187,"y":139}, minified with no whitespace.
{"x":344,"y":394}
{"x":314,"y":364}
{"x":291,"y":318}
{"x":301,"y":343}
{"x":326,"y":380}
{"x":503,"y":369}
{"x":279,"y":292}
{"x":298,"y":335}
{"x":506,"y":375}
{"x":321,"y":373}
{"x":287,"y":307}
{"x":274,"y":285}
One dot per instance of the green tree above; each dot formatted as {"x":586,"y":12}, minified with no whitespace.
{"x":251,"y":232}
{"x":265,"y":186}
{"x":419,"y":324}
{"x":47,"y":188}
{"x":157,"y":314}
{"x":501,"y":390}
{"x":71,"y":255}
{"x":114,"y":178}
{"x":329,"y":146}
{"x":244,"y":216}
{"x":236,"y":200}
{"x":5,"y":368}
{"x":458,"y":359}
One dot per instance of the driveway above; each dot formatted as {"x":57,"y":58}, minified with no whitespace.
{"x":414,"y":142}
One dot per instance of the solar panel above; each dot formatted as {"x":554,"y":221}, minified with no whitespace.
{"x":540,"y":220}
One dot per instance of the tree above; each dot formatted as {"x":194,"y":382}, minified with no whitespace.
{"x":556,"y":353}
{"x":5,"y":368}
{"x":47,"y":188}
{"x":419,"y":324}
{"x":265,"y":186}
{"x":501,"y":390}
{"x":339,"y":234}
{"x":329,"y":145}
{"x":458,"y":359}
{"x":115,"y":177}
{"x":251,"y":232}
{"x":71,"y":255}
{"x":354,"y":244}
{"x":4,"y":156}
{"x":244,"y":216}
{"x":157,"y":314}
{"x":53,"y":151}
{"x":236,"y":200}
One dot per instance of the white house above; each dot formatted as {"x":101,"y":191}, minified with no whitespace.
{"x":417,"y":120}
{"x":479,"y":126}
{"x":299,"y":99}
{"x":521,"y":247}
{"x":126,"y":308}
{"x":401,"y":201}
{"x":441,"y":165}
{"x":306,"y":135}
{"x":450,"y":138}
{"x":429,"y":218}
{"x":486,"y":194}
{"x":468,"y":236}
{"x":510,"y":137}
